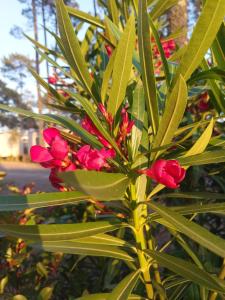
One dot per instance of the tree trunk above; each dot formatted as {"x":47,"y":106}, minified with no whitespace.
{"x":37,"y":66}
{"x":45,"y":32}
{"x":178,"y":19}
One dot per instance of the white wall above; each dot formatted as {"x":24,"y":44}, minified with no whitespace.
{"x":13,"y":142}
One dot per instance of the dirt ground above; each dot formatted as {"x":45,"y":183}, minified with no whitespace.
{"x":21,"y":173}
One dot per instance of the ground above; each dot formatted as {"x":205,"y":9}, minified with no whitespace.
{"x":21,"y":173}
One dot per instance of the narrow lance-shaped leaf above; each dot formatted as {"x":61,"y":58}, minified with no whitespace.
{"x":208,"y":157}
{"x":106,"y":295}
{"x":173,"y":114}
{"x":114,"y":12}
{"x":85,"y":17}
{"x":162,"y":53}
{"x":106,"y":76}
{"x":191,"y":229}
{"x":73,"y":247}
{"x":88,"y":107}
{"x":12,"y":203}
{"x":125,"y":287}
{"x":122,"y":67}
{"x":203,"y":35}
{"x":188,"y":270}
{"x":218,"y":47}
{"x":72,"y":50}
{"x":147,"y":68}
{"x":100,"y":185}
{"x":161,"y":7}
{"x":58,"y":232}
{"x":59,"y":120}
{"x":202,"y":142}
{"x":138,"y":111}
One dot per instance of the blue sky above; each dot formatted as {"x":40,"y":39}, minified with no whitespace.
{"x":10,"y":14}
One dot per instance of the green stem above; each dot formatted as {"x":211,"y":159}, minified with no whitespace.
{"x":139,"y":216}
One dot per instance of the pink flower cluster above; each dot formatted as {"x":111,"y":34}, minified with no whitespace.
{"x":125,"y":126}
{"x":60,"y":157}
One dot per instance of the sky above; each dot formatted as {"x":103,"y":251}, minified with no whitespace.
{"x":10,"y":15}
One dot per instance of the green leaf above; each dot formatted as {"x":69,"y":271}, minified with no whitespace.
{"x":47,"y":87}
{"x":73,"y":247}
{"x":200,"y":208}
{"x":85,"y":17}
{"x":40,"y":46}
{"x":195,"y":209}
{"x":45,"y":293}
{"x":112,"y":7}
{"x":100,"y":185}
{"x":105,"y":297}
{"x":73,"y":52}
{"x":202,"y":142}
{"x":59,"y":120}
{"x":214,"y":73}
{"x":122,"y":67}
{"x":194,"y":231}
{"x":58,"y":232}
{"x":192,"y":195}
{"x":19,"y":297}
{"x":161,"y":51}
{"x":138,"y":112}
{"x":218,"y":47}
{"x":203,"y":35}
{"x":173,"y":114}
{"x":3,"y":283}
{"x":208,"y":157}
{"x":161,"y":7}
{"x":107,"y":75}
{"x":12,"y":203}
{"x":88,"y":107}
{"x":188,"y":270}
{"x":216,"y":91}
{"x":147,"y":68}
{"x":105,"y":239}
{"x":125,"y":287}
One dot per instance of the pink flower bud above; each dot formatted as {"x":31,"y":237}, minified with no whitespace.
{"x":108,"y":50}
{"x":167,"y":172}
{"x":52,"y":79}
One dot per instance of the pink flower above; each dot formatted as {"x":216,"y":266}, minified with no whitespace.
{"x":108,"y":50}
{"x":93,"y":159}
{"x":167,"y":172}
{"x":55,"y":155}
{"x":52,"y":79}
{"x":108,"y":116}
{"x":125,"y":126}
{"x":88,"y":125}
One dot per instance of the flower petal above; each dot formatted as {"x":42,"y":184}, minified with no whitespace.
{"x":40,"y":154}
{"x":49,"y":134}
{"x":59,"y":148}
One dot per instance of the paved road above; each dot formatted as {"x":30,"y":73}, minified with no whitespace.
{"x":20,"y":173}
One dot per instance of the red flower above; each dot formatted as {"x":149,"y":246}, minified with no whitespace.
{"x":55,"y":155}
{"x":108,"y":50}
{"x":93,"y":159}
{"x":125,"y":126}
{"x":52,"y":79}
{"x":90,"y":127}
{"x":167,"y":172}
{"x":108,"y":116}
